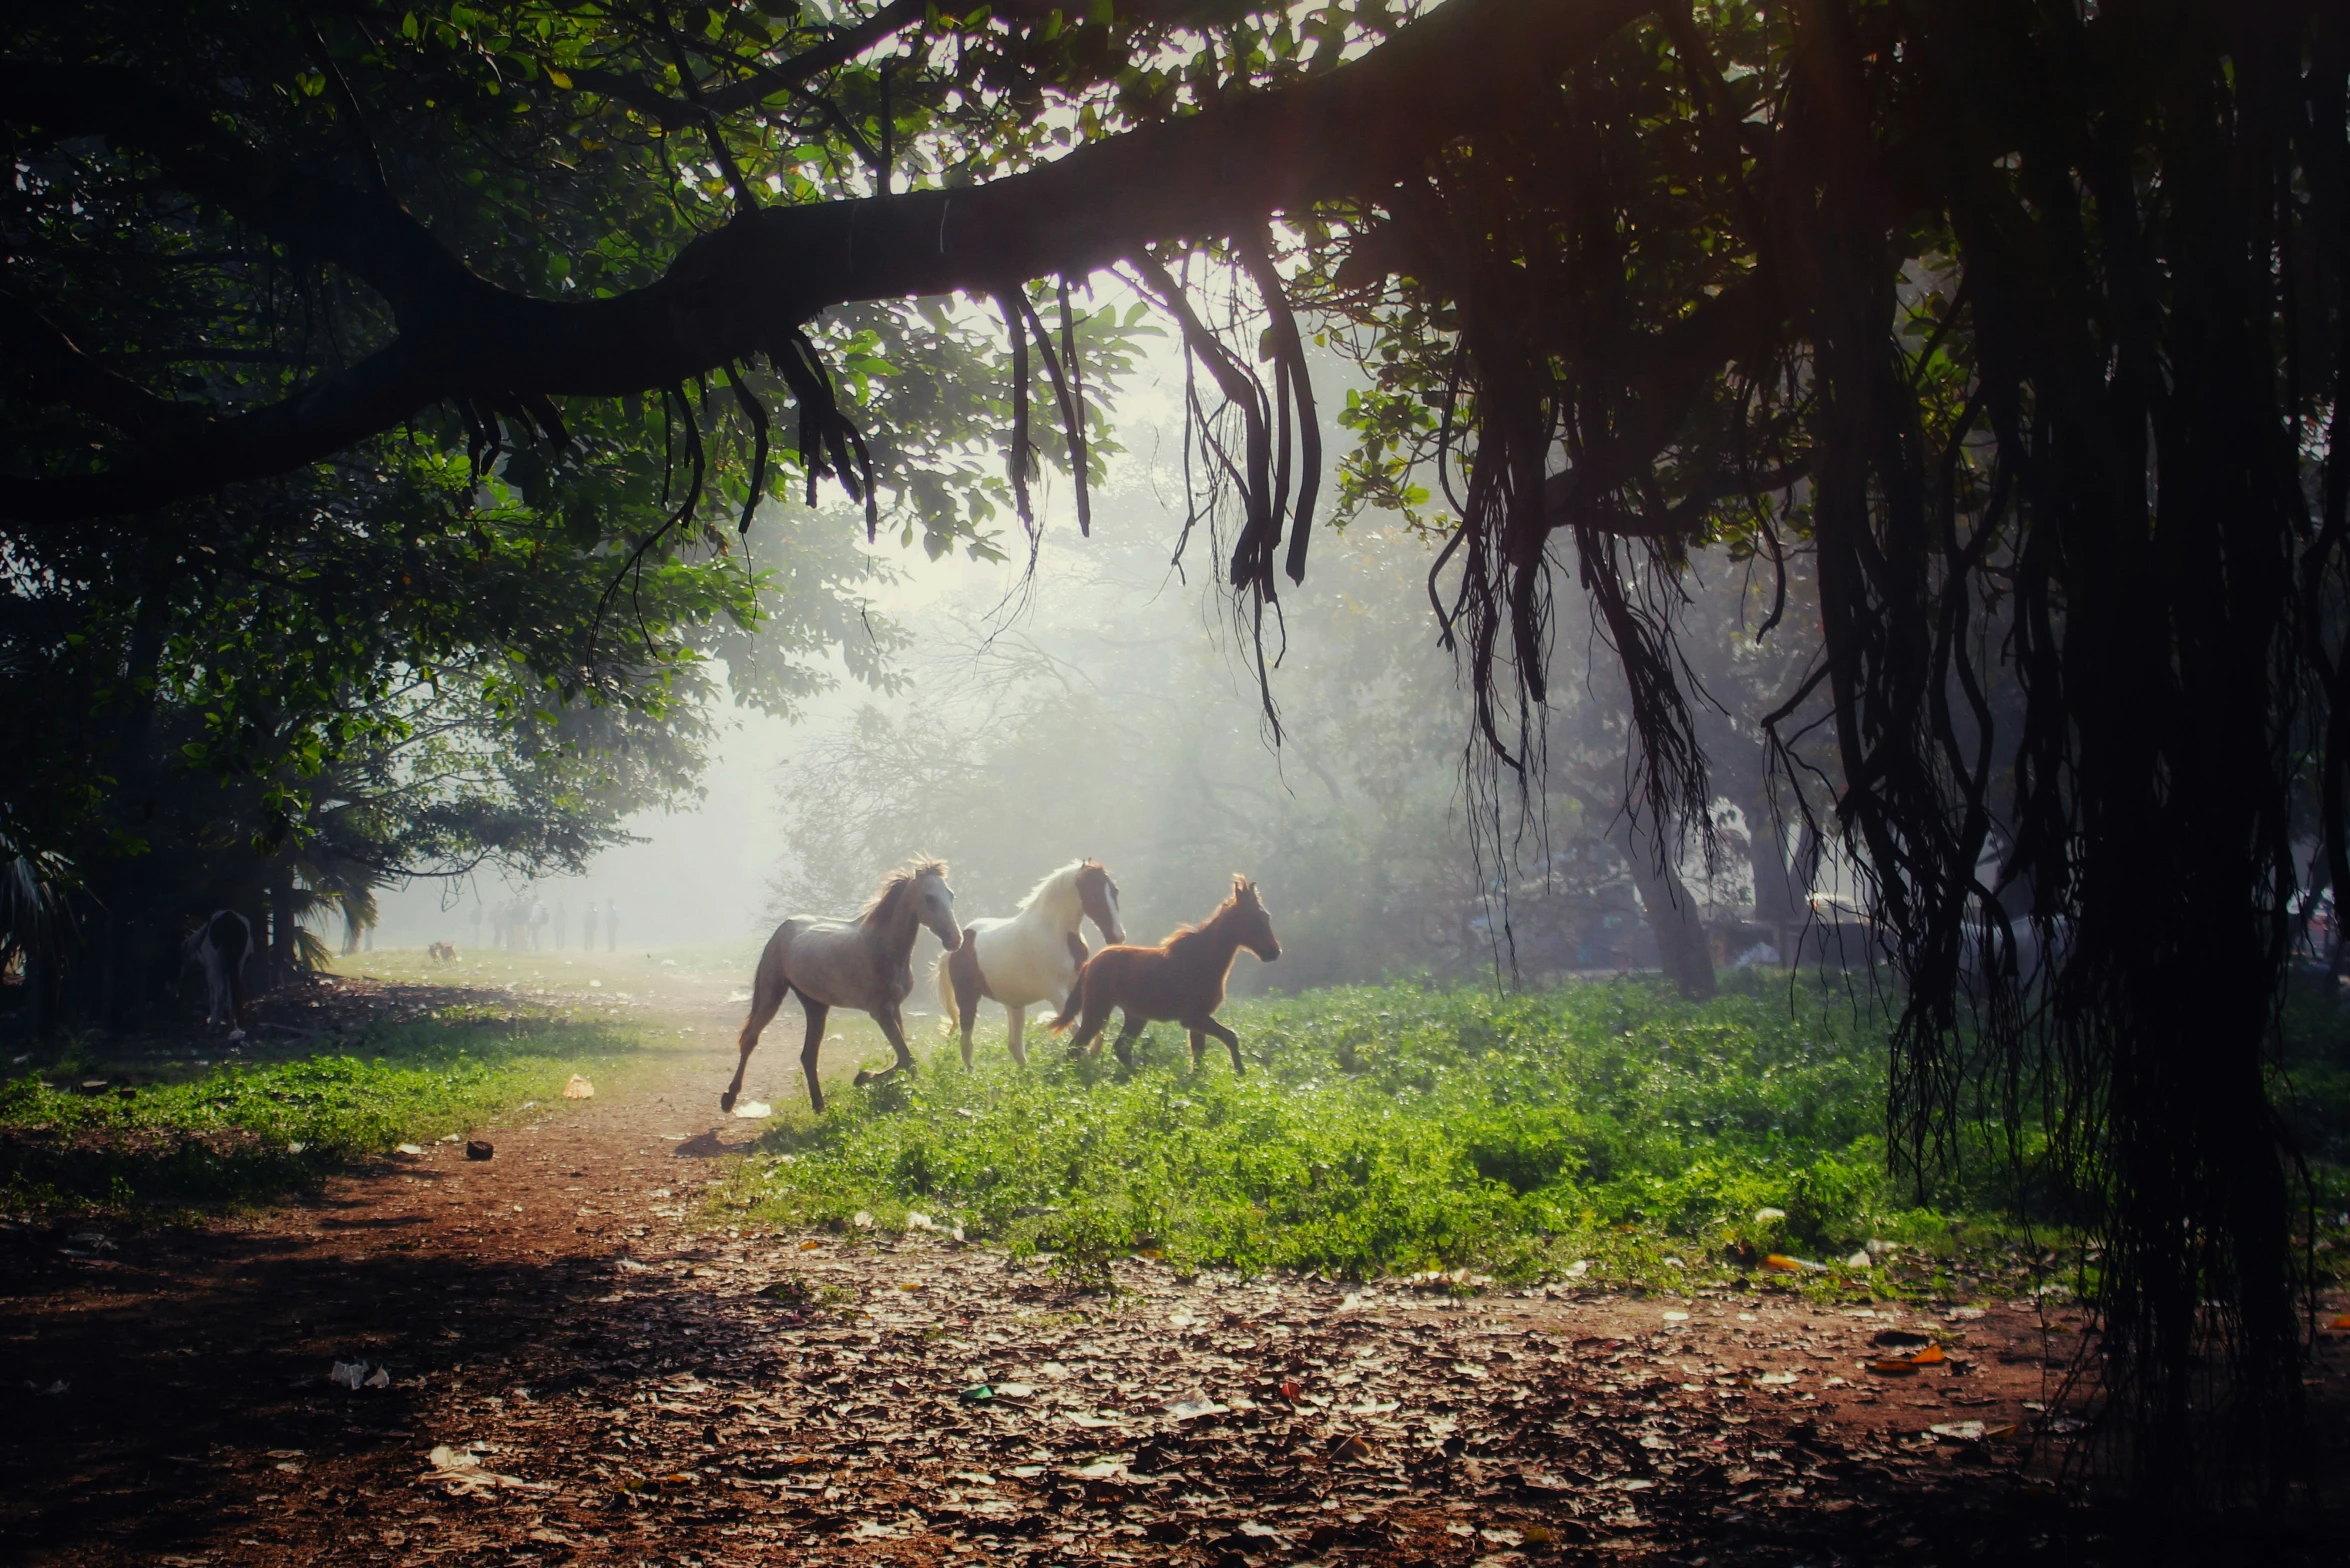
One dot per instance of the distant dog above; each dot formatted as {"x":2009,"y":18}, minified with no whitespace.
{"x":442,"y":952}
{"x":220,"y":947}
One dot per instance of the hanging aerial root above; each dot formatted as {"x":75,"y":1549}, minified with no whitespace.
{"x":757,"y":415}
{"x":1020,"y":454}
{"x":1294,"y":390}
{"x":829,"y":441}
{"x":1064,"y":392}
{"x":1079,"y":461}
{"x":1252,"y":550}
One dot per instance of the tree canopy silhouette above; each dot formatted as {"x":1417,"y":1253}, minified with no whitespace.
{"x":2025,"y":318}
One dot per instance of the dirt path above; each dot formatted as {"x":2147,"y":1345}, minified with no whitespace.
{"x":583,"y":1370}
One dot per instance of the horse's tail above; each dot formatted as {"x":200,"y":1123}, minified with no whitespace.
{"x":948,"y":1009}
{"x":1061,"y":1020}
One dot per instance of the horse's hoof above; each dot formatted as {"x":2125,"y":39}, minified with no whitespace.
{"x":726,"y":1101}
{"x":863,"y":1078}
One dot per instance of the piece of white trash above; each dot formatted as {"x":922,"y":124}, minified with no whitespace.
{"x":753,"y":1110}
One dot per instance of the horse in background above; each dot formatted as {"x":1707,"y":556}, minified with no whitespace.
{"x":1029,"y":957}
{"x":865,"y":962}
{"x":219,"y":947}
{"x":1179,"y":981}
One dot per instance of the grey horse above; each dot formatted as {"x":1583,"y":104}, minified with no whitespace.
{"x":864,"y":963}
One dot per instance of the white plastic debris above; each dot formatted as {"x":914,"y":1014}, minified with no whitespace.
{"x":1769,"y":1216}
{"x":381,"y":1377}
{"x":348,"y":1374}
{"x":1859,"y":1260}
{"x":408,"y":1148}
{"x":752,"y":1110}
{"x":579,"y":1089}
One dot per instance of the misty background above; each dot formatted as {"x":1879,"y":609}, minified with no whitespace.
{"x":1104,"y":705}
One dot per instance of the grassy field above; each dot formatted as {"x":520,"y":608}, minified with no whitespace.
{"x":1600,"y":1131}
{"x":1604,"y":1132}
{"x":147,"y":1128}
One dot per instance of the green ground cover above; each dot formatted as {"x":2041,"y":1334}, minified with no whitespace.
{"x":1604,"y":1132}
{"x":165,"y":1131}
{"x":1599,"y":1131}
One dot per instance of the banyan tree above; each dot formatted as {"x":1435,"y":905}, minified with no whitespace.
{"x":2024,"y":319}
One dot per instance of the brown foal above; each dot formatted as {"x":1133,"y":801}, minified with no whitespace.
{"x":1179,"y":981}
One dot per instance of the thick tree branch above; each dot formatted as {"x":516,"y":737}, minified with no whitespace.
{"x":786,"y":75}
{"x":365,"y":233}
{"x":747,"y":287}
{"x":46,"y":363}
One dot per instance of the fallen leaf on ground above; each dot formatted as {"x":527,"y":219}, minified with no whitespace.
{"x":1902,"y":1366}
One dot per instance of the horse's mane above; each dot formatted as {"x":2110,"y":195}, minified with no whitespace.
{"x":1054,"y":882}
{"x":884,"y":904}
{"x":1186,"y":933}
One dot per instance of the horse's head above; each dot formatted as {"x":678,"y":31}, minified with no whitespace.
{"x":1097,"y":895}
{"x":1251,"y":922}
{"x":934,"y":903}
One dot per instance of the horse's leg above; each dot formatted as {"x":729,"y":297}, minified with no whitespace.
{"x":967,"y":1013}
{"x":766,"y":997}
{"x":1015,"y":1021}
{"x":817,"y":1012}
{"x":894,"y":1032}
{"x":1126,"y":1033}
{"x":1199,"y":1043}
{"x":1087,"y":1039}
{"x":1231,"y":1043}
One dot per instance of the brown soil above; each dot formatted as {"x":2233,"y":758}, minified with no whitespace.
{"x":609,"y":1379}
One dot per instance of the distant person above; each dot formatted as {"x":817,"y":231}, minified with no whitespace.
{"x":611,"y":926}
{"x":538,"y":922}
{"x":562,"y":925}
{"x":587,"y":927}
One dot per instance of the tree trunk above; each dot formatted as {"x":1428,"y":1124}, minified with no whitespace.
{"x":281,"y":929}
{"x":1672,"y":915}
{"x":1783,"y":872}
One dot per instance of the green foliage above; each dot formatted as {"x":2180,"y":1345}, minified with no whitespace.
{"x":239,"y":1132}
{"x":1384,"y":1130}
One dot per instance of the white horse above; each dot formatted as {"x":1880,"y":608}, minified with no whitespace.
{"x":1029,"y":957}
